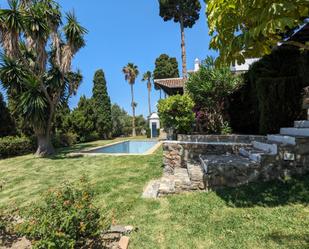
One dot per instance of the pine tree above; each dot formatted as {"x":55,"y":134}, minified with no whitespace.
{"x":102,"y":104}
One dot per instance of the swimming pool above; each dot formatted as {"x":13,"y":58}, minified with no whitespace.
{"x":127,"y":147}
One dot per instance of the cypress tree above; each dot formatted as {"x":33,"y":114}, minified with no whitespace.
{"x":7,"y":126}
{"x":102,"y":104}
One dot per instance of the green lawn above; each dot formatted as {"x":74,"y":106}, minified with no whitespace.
{"x":273,"y":215}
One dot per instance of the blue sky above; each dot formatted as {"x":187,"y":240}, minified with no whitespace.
{"x":125,"y":31}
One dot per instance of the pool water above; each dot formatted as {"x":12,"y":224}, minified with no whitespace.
{"x":127,"y":147}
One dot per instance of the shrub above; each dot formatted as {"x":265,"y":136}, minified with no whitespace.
{"x":64,"y":140}
{"x":209,"y":88}
{"x":16,"y":146}
{"x":65,"y":219}
{"x":176,"y":112}
{"x":271,"y":96}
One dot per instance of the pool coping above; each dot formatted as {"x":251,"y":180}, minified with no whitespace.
{"x":87,"y":152}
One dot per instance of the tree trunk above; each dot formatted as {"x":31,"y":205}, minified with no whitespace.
{"x":133,"y":110}
{"x":149,"y":100}
{"x":45,"y":147}
{"x":183,"y":49}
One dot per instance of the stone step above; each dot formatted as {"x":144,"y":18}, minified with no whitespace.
{"x":228,"y":170}
{"x":253,"y":154}
{"x":196,"y":175}
{"x":268,"y":148}
{"x":181,"y":178}
{"x":151,"y":190}
{"x":302,"y":132}
{"x":220,"y":161}
{"x":282,"y":139}
{"x":167,"y":186}
{"x":301,"y":124}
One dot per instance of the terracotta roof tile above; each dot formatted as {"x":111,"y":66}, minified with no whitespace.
{"x":171,"y":83}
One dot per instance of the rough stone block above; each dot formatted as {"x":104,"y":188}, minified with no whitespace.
{"x":124,"y":242}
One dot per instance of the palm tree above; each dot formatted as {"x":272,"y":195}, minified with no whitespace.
{"x":147,"y":77}
{"x":131,"y":72}
{"x":36,"y":78}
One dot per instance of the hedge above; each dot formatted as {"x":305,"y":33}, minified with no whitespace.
{"x":15,"y":146}
{"x":272,"y":94}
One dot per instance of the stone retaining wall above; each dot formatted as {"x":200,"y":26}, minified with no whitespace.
{"x":176,"y":154}
{"x":221,"y":138}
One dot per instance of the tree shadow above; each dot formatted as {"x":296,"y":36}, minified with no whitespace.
{"x":290,"y":240}
{"x":64,"y":152}
{"x":274,"y":193}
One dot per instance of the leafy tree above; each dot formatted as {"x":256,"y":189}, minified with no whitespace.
{"x":62,"y":120}
{"x":120,"y":120}
{"x":166,"y":67}
{"x":141,"y":124}
{"x":148,"y":77}
{"x":83,"y":120}
{"x":176,"y":113}
{"x":39,"y":78}
{"x":184,"y":12}
{"x":252,"y":28}
{"x":102,"y":105}
{"x":7,"y":126}
{"x":131,"y":72}
{"x":209,"y":88}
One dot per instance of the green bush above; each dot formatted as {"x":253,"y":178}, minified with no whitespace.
{"x":148,"y":132}
{"x":271,"y":97}
{"x":176,"y":112}
{"x":210,"y":88}
{"x":65,"y":219}
{"x":64,"y":140}
{"x":15,"y":146}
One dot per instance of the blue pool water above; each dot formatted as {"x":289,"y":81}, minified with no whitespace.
{"x":127,"y":147}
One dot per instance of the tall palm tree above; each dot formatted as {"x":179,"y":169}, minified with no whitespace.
{"x":147,"y":77}
{"x":39,"y":79}
{"x":131,"y":72}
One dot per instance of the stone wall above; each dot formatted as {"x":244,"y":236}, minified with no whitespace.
{"x":176,"y":154}
{"x":221,"y":138}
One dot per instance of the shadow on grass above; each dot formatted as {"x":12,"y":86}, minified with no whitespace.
{"x":273,"y":193}
{"x":291,"y":240}
{"x":63,"y":152}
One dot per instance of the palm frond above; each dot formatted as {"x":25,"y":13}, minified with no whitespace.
{"x":131,"y":72}
{"x":74,"y":32}
{"x":12,"y":73}
{"x":33,"y":105}
{"x":10,"y":28}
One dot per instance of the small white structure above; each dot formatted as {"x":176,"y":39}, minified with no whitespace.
{"x":197,"y":65}
{"x":154,"y":125}
{"x":243,"y":68}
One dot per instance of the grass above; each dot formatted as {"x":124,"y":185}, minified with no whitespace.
{"x":266,"y":215}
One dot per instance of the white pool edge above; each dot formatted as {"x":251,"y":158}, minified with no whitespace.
{"x":88,"y":153}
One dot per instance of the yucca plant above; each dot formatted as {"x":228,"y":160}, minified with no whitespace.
{"x":36,"y":63}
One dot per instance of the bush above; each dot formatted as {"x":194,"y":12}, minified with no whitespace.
{"x":209,"y":88}
{"x":16,"y":146}
{"x":271,"y":97}
{"x":64,"y":140}
{"x":176,"y":112}
{"x":65,"y":219}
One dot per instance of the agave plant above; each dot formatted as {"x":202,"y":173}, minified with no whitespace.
{"x":36,"y":65}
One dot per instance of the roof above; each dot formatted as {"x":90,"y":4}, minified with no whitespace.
{"x":154,"y":116}
{"x":302,"y":35}
{"x":171,"y":83}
